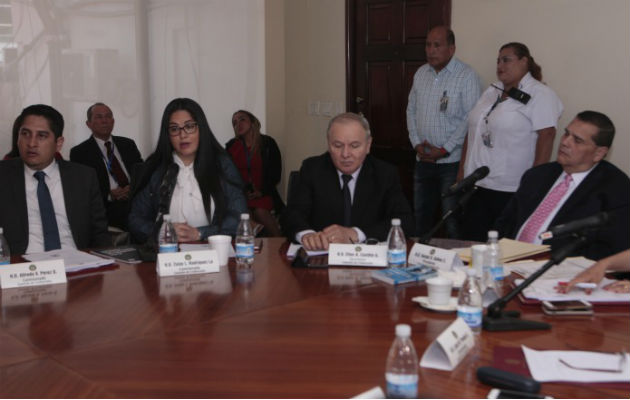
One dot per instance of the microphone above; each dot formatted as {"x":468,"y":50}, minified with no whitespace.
{"x":468,"y":181}
{"x":592,"y":222}
{"x":516,"y":94}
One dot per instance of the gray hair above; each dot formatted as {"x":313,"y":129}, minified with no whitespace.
{"x":348,"y":117}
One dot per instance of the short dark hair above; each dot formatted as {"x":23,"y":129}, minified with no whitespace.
{"x":89,"y":110}
{"x":605,"y":128}
{"x":54,"y":117}
{"x":450,"y":37}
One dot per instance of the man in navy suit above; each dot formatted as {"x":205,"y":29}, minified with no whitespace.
{"x":345,"y":195}
{"x":113,"y":158}
{"x":594,"y":185}
{"x":44,"y":201}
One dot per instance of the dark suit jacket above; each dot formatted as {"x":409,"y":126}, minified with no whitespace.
{"x":318,"y":199}
{"x":606,"y":188}
{"x":88,"y":153}
{"x":84,"y":207}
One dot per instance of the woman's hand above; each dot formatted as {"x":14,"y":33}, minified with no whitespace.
{"x":186,"y":233}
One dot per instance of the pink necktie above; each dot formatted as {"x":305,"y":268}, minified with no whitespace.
{"x":543,"y":210}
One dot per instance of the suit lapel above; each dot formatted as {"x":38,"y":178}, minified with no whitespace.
{"x":68,"y":196}
{"x":101,"y":171}
{"x":362,"y":190}
{"x":334,"y":190}
{"x":19,"y":196}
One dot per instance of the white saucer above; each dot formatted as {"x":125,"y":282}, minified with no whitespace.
{"x":424,"y":302}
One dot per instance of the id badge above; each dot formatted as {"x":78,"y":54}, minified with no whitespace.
{"x":444,"y":102}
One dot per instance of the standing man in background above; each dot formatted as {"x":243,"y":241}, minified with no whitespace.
{"x":444,"y":91}
{"x":113,"y":158}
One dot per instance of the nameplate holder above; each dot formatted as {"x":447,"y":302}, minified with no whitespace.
{"x":364,"y":255}
{"x":187,"y":263}
{"x":440,"y":259}
{"x":450,"y":348}
{"x":32,"y":274}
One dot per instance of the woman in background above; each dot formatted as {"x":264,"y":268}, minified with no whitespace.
{"x":258,"y":159}
{"x":508,"y":134}
{"x":202,"y":190}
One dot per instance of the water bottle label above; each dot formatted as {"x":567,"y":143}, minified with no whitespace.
{"x":168,"y":248}
{"x":244,"y":250}
{"x":471,"y":315}
{"x":497,"y":273}
{"x":5,"y":262}
{"x":396,"y":257}
{"x":401,"y":386}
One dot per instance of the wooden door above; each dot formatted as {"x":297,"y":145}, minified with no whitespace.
{"x":385,"y":47}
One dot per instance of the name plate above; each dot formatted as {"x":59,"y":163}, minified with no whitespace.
{"x":32,"y":274}
{"x":437,"y":258}
{"x":365,"y":255}
{"x":187,"y":262}
{"x":450,"y":348}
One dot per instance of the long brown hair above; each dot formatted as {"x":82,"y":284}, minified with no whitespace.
{"x":255,"y":129}
{"x":522,"y":51}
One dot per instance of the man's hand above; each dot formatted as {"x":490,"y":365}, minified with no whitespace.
{"x":186,"y":233}
{"x":330,"y":234}
{"x":121,"y":193}
{"x":430,"y":153}
{"x":315,"y":241}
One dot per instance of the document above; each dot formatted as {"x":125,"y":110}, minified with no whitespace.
{"x":511,"y":250}
{"x":545,"y":289}
{"x":74,"y":260}
{"x":566,"y":270}
{"x":294,"y":247}
{"x":577,"y":366}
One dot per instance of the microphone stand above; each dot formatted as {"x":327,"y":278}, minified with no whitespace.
{"x":424,"y":239}
{"x":498,"y":320}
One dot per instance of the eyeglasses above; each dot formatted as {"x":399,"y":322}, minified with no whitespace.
{"x":189,"y":128}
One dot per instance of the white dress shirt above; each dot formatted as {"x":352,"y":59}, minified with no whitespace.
{"x":35,"y":229}
{"x":577,"y":178}
{"x":187,"y":202}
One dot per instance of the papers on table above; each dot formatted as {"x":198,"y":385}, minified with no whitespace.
{"x":544,"y":289}
{"x":566,"y":270}
{"x":511,"y":250}
{"x":577,"y":366}
{"x":74,"y":260}
{"x":294,"y":247}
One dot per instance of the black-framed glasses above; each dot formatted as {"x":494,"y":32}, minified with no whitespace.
{"x":189,"y":128}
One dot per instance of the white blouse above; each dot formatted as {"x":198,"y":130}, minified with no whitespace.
{"x":187,"y":203}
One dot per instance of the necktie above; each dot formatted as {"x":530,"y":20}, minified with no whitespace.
{"x":114,"y":166}
{"x":539,"y":216}
{"x":47,"y":213}
{"x":347,"y":200}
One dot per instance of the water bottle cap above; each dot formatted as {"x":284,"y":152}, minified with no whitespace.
{"x":493,"y":234}
{"x":396,"y":221}
{"x":244,"y":216}
{"x":471,"y":272}
{"x":403,"y":330}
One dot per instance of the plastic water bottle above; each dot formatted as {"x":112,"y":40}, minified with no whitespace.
{"x":396,"y":246}
{"x":244,"y":243}
{"x":478,"y":255}
{"x":469,"y":305}
{"x":5,"y":254}
{"x":401,"y":370}
{"x":493,"y":259}
{"x":167,"y":238}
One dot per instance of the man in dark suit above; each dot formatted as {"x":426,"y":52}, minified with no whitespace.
{"x":113,"y":158}
{"x":345,"y":195}
{"x":47,"y":204}
{"x":578,"y":185}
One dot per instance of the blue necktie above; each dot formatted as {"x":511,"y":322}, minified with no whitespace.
{"x":47,"y":212}
{"x":347,"y":201}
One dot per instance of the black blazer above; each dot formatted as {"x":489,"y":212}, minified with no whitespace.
{"x":606,"y":188}
{"x":84,"y":207}
{"x":88,"y":153}
{"x":318,"y":199}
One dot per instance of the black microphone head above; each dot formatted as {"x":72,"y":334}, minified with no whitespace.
{"x":482,"y":172}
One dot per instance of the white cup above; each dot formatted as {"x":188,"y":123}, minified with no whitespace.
{"x":439,"y":290}
{"x":221,"y":244}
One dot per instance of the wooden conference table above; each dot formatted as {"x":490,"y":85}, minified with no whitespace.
{"x":274,"y":332}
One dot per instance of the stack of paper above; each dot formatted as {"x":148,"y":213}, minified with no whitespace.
{"x":511,"y":250}
{"x":74,"y":260}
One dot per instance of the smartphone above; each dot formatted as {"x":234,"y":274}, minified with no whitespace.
{"x":514,"y":394}
{"x":567,"y":307}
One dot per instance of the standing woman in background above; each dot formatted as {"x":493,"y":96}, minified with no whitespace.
{"x":258,"y":159}
{"x":507,"y":135}
{"x":202,"y":190}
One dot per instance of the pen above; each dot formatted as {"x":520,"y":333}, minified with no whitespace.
{"x":586,"y":285}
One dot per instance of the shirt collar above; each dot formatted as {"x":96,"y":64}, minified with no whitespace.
{"x":49,"y":170}
{"x":448,"y":67}
{"x":181,"y":165}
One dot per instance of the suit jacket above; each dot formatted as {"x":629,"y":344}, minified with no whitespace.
{"x":84,"y":207}
{"x":606,"y":188}
{"x":88,"y":153}
{"x":318,"y":199}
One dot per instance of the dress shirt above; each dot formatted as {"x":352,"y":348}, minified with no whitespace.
{"x":35,"y":229}
{"x":351,"y":185}
{"x":187,"y":202}
{"x":577,"y":178}
{"x":101,"y":145}
{"x":513,"y":126}
{"x":447,"y":128}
